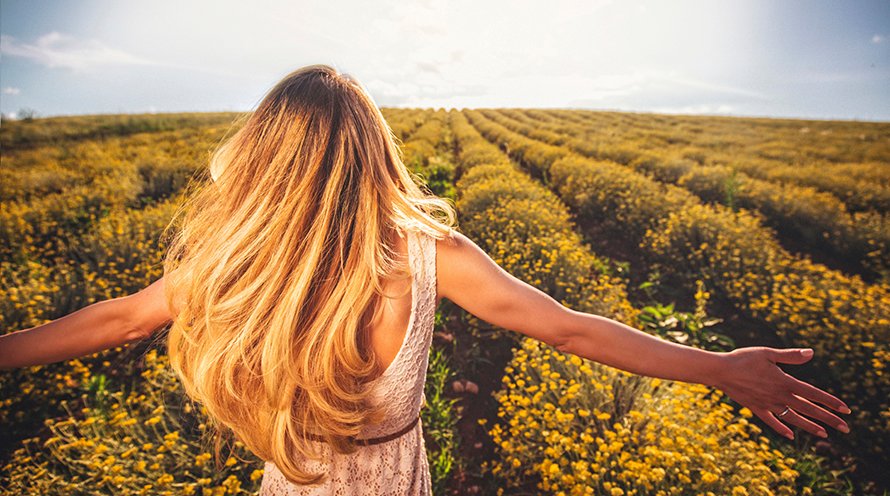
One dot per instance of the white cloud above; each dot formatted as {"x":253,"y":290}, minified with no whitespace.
{"x":407,"y":93}
{"x":700,"y":109}
{"x":9,"y":90}
{"x":55,"y":49}
{"x":681,"y":57}
{"x":654,"y":85}
{"x":719,"y":88}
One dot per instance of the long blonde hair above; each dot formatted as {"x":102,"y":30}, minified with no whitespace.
{"x":280,"y":262}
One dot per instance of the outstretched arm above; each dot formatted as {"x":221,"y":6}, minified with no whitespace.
{"x":748,"y":375}
{"x":469,"y":278}
{"x":101,"y":325}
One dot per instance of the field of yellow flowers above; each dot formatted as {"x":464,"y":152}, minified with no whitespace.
{"x":788,"y":230}
{"x":569,"y":426}
{"x":843,"y":316}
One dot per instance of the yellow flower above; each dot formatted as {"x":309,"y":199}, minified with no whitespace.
{"x":201,"y":459}
{"x":709,"y":477}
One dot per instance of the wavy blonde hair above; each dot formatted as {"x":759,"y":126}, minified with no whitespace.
{"x":279,"y":264}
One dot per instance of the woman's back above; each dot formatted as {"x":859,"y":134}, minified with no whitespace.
{"x":394,"y":460}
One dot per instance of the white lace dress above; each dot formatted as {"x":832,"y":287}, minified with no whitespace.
{"x":398,"y":466}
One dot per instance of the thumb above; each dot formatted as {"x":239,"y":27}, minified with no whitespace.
{"x":792,"y":355}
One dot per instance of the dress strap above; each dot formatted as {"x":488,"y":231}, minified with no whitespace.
{"x":427,"y":265}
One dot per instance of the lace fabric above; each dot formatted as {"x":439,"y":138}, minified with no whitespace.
{"x":398,"y":466}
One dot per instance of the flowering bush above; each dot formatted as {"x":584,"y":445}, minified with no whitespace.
{"x":555,"y":406}
{"x":843,"y":318}
{"x":573,"y":426}
{"x":146,"y":440}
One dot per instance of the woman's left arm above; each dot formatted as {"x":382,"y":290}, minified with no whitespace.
{"x":96,"y":327}
{"x":467,"y":276}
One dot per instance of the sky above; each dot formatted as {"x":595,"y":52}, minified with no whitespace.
{"x":802,"y":59}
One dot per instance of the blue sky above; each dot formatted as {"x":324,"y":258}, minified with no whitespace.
{"x":807,"y":59}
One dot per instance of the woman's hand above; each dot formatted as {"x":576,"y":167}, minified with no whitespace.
{"x":752,"y":378}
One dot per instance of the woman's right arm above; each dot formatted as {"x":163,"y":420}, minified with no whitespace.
{"x":96,"y":327}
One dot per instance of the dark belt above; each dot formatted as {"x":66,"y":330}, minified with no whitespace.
{"x":375,"y":440}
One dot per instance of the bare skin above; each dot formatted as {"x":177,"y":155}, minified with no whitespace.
{"x":388,"y":330}
{"x":467,"y":276}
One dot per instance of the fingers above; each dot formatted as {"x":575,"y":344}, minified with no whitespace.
{"x":770,"y":419}
{"x":800,"y":406}
{"x":807,"y":408}
{"x":811,"y":392}
{"x":791,"y":355}
{"x":794,"y":418}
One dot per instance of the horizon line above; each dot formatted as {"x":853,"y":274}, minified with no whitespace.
{"x":588,"y":109}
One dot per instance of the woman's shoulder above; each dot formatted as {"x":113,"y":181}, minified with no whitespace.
{"x":434,"y":249}
{"x":453,"y":241}
{"x":425,"y":235}
{"x":456,"y":255}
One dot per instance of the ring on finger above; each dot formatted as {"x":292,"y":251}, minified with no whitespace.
{"x":784,"y":412}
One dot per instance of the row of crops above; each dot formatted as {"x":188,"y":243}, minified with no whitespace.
{"x":814,"y":221}
{"x":805,"y":304}
{"x":571,"y":426}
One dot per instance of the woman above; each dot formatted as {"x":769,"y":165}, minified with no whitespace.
{"x":300,"y":289}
